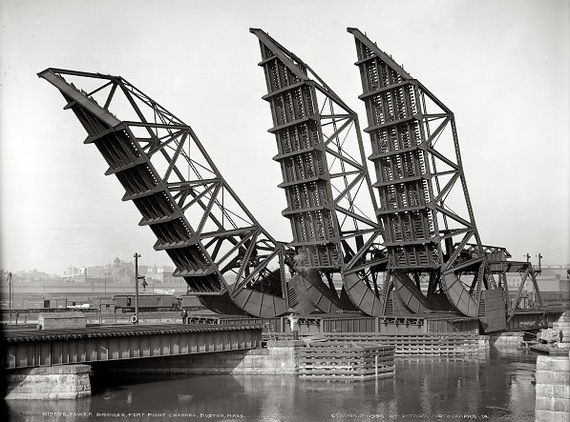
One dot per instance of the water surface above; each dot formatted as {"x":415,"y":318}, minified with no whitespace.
{"x":498,"y":388}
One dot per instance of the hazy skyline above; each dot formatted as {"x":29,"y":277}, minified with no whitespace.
{"x":501,"y":66}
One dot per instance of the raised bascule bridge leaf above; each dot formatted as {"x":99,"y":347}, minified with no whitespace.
{"x":436,"y":257}
{"x":226,"y":257}
{"x":330,"y":203}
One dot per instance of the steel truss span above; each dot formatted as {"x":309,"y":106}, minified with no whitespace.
{"x":326,"y":184}
{"x":434,"y":248}
{"x":217,"y":246}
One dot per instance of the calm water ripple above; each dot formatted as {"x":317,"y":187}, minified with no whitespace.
{"x":500,"y":388}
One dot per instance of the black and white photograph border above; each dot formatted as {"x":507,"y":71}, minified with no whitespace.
{"x":502,"y":68}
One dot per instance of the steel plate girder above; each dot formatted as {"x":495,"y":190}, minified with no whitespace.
{"x":125,"y":346}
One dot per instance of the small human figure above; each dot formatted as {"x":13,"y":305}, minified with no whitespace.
{"x":293,"y":323}
{"x":184,"y":316}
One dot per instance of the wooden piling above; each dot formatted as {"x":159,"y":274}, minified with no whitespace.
{"x":344,"y":361}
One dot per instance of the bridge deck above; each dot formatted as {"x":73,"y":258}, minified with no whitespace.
{"x":26,"y":348}
{"x":18,"y":334}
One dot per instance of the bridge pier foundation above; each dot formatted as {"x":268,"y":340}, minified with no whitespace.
{"x":49,"y":383}
{"x":507,"y":340}
{"x":552,"y":389}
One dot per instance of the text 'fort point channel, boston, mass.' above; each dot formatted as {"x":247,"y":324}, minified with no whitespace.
{"x":387,"y":304}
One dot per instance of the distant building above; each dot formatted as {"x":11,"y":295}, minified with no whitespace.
{"x":160,"y":273}
{"x":73,"y":272}
{"x":117,"y":272}
{"x":565,"y":288}
{"x":554,"y":284}
{"x":124,"y":272}
{"x":34,"y":275}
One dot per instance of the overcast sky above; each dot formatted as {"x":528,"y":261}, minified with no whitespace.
{"x":501,"y":66}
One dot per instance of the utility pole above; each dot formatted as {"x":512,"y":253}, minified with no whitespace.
{"x":527,"y":257}
{"x":136,"y":319}
{"x":10,"y":295}
{"x":137,"y":278}
{"x":92,"y":286}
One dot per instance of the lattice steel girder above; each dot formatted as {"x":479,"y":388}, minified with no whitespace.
{"x":424,"y":201}
{"x":324,"y":172}
{"x":168,"y":175}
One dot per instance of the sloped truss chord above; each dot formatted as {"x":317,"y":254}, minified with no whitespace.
{"x":424,"y":202}
{"x":497,"y":257}
{"x":325,"y":180}
{"x":217,"y":246}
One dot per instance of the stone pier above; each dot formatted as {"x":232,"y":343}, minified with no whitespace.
{"x":552,"y":389}
{"x":507,"y":340}
{"x":553,"y":379}
{"x":50,"y":383}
